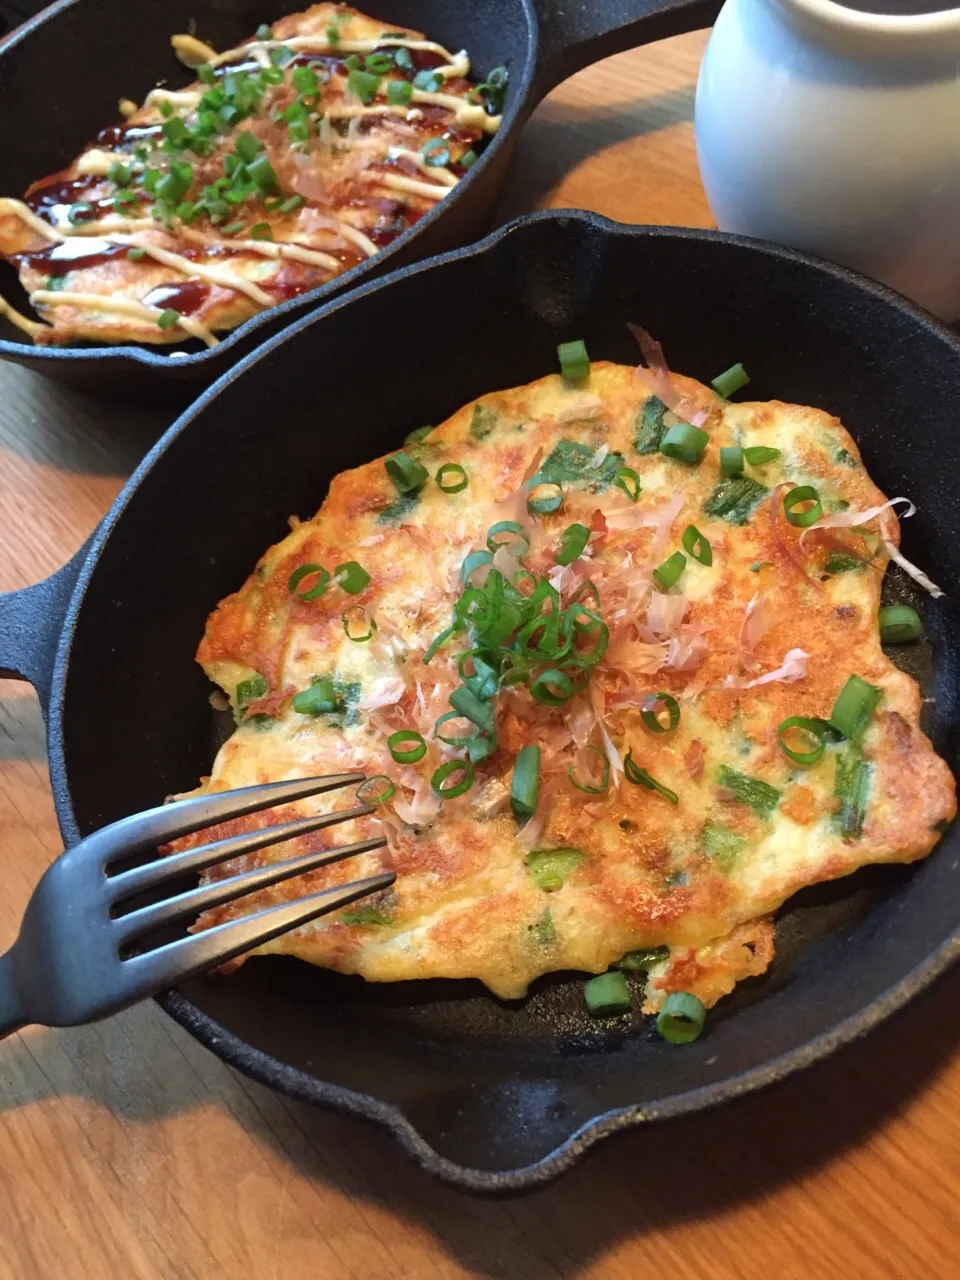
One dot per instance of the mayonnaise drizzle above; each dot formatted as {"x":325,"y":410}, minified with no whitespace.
{"x":122,"y":306}
{"x":440,"y":172}
{"x":267,"y":249}
{"x":211,"y":274}
{"x":320,"y":44}
{"x":400,"y":182}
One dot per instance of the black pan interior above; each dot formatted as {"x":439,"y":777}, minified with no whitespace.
{"x":488,"y":1085}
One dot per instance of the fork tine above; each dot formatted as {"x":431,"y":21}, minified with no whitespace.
{"x":170,"y":821}
{"x":141,"y":879}
{"x":177,"y":961}
{"x":159,"y":914}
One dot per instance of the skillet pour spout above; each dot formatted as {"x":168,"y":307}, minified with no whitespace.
{"x":490,"y":1095}
{"x":539,"y":41}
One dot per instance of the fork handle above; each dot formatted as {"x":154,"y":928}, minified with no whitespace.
{"x":12,"y":1013}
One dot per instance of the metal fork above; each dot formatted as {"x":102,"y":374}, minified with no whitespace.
{"x":71,"y":962}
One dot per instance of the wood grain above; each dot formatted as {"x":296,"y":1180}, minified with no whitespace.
{"x":128,"y":1151}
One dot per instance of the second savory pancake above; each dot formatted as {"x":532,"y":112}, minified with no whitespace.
{"x":713,"y":825}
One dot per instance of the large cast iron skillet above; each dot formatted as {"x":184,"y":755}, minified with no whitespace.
{"x":61,"y":77}
{"x":485,"y":1094}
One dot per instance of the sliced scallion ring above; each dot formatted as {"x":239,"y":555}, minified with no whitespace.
{"x":731,"y":460}
{"x":406,"y":754}
{"x":593,"y":789}
{"x":471,"y":563}
{"x":574,"y":361}
{"x":478,"y":710}
{"x":685,"y":442}
{"x":544,"y":498}
{"x":793,"y":499}
{"x":654,"y":707}
{"x":356,"y":625}
{"x":816,"y":729}
{"x":629,"y":481}
{"x":377,"y":789}
{"x":458,"y":740}
{"x":525,"y":783}
{"x":854,"y":708}
{"x":667,"y":574}
{"x":607,"y":995}
{"x":451,"y":478}
{"x":305,"y":571}
{"x":457,"y":788}
{"x":758,"y":454}
{"x":353,"y":577}
{"x":899,"y":624}
{"x":551,"y":688}
{"x":573,"y":542}
{"x":641,"y":778}
{"x":436,"y":642}
{"x":681,"y":1019}
{"x":730,"y":381}
{"x":405,"y":472}
{"x":513,"y":530}
{"x":696,"y":545}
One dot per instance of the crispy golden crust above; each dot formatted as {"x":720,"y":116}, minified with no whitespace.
{"x":464,"y":904}
{"x":345,"y":173}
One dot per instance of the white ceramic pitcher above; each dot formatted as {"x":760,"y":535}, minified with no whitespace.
{"x":837,"y":131}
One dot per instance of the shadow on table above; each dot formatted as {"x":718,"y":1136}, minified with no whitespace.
{"x":561,"y":136}
{"x":649,"y":1179}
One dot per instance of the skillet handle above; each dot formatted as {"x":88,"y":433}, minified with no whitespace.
{"x":31,"y":621}
{"x":574,"y":33}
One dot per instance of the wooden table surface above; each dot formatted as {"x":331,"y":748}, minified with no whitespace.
{"x":127,"y":1150}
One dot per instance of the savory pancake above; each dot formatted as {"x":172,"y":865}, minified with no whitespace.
{"x":623,"y":617}
{"x":291,"y":159}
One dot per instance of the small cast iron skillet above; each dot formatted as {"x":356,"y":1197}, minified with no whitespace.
{"x":54,"y":104}
{"x":484,"y":1094}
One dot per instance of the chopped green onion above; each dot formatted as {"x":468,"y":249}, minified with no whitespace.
{"x":318,"y":700}
{"x":262,"y":173}
{"x":401,"y":56}
{"x":574,"y":361}
{"x":814,"y":728}
{"x":731,"y":460}
{"x":136,"y":255}
{"x":333,"y":35}
{"x":406,"y":754}
{"x":118,"y":174}
{"x":650,"y":713}
{"x":251,"y":689}
{"x":405,"y":472}
{"x":304,"y":80}
{"x":451,"y":478}
{"x":641,"y":778}
{"x":758,"y":454}
{"x":842,"y":562}
{"x":851,"y":782}
{"x":469,"y":159}
{"x":353,"y":577}
{"x":494,"y":542}
{"x":455,"y":788}
{"x":291,"y":203}
{"x":573,"y":542}
{"x":629,"y":481}
{"x":753,"y":792}
{"x":399,"y":93}
{"x":429,"y":81}
{"x":436,"y":642}
{"x":477,"y":710}
{"x":899,"y":624}
{"x":435,"y":153}
{"x":722,"y":844}
{"x":544,"y":499}
{"x":525,"y":783}
{"x":261,"y":231}
{"x":643,"y":960}
{"x":280,"y":57}
{"x":247,"y":147}
{"x":602,"y":785}
{"x":417,"y":434}
{"x":167,"y":318}
{"x":607,"y":995}
{"x":667,"y":574}
{"x":380,"y":63}
{"x":550,"y":867}
{"x":792,"y":500}
{"x":319,"y":587}
{"x":363,"y":85}
{"x":264,"y":32}
{"x":681,"y":1019}
{"x":551,"y":688}
{"x":854,"y":708}
{"x":460,"y":740}
{"x":377,"y":789}
{"x":684,"y":442}
{"x":353,"y":62}
{"x":79,"y":212}
{"x":734,"y":499}
{"x":730,"y":381}
{"x":471,"y":563}
{"x":696,"y":545}
{"x":356,"y":615}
